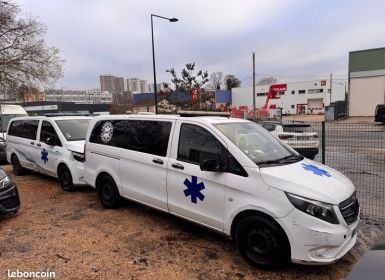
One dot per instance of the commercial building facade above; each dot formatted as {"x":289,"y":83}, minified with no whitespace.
{"x":366,"y":81}
{"x":78,"y":96}
{"x":309,"y":97}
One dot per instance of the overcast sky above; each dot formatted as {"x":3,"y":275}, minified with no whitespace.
{"x":293,"y":38}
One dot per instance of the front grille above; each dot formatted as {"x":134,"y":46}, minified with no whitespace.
{"x":350,"y":209}
{"x":10,"y":202}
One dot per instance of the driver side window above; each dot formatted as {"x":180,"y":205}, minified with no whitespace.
{"x":196,"y":144}
{"x":47,"y":130}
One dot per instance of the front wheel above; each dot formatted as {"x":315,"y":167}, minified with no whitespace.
{"x":65,"y":179}
{"x":262,"y":242}
{"x":108,"y":192}
{"x":18,"y":170}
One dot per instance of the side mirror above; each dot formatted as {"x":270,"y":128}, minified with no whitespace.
{"x":212,"y":165}
{"x":49,"y":141}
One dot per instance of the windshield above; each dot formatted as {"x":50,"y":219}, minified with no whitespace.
{"x":256,"y":142}
{"x":4,"y":120}
{"x":74,"y":130}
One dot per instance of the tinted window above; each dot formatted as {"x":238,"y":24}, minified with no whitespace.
{"x":24,"y":128}
{"x":142,"y":136}
{"x":47,"y":130}
{"x":4,"y":120}
{"x":74,"y":130}
{"x":196,"y":144}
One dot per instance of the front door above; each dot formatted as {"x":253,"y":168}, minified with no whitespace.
{"x":47,"y":154}
{"x":192,"y":193}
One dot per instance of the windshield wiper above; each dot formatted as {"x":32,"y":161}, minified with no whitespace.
{"x":288,"y":159}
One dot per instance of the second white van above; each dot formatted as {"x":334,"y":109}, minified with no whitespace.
{"x":230,"y":175}
{"x":49,"y":145}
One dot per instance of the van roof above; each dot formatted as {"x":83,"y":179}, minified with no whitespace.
{"x":56,"y":118}
{"x":202,"y":119}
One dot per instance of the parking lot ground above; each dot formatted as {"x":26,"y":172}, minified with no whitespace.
{"x":72,"y":235}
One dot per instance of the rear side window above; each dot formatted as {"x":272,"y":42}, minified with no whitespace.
{"x":138,"y":135}
{"x":196,"y":144}
{"x":24,"y":128}
{"x":48,"y":131}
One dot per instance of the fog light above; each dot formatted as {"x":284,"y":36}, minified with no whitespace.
{"x":320,"y":253}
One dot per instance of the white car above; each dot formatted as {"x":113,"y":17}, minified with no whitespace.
{"x":300,"y":136}
{"x":227,"y":174}
{"x":49,"y":145}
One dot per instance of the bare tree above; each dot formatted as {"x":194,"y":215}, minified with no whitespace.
{"x":232,"y":82}
{"x":266,"y":81}
{"x":25,"y":58}
{"x":216,"y":80}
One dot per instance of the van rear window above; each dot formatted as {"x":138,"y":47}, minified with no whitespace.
{"x":24,"y":128}
{"x":137,"y":135}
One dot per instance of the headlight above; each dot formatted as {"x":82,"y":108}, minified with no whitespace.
{"x":318,"y":209}
{"x":78,"y":156}
{"x":5,"y":182}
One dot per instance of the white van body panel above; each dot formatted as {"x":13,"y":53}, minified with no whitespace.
{"x":333,"y":187}
{"x":227,"y":195}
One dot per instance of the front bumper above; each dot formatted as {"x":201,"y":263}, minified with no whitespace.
{"x":314,"y":241}
{"x":77,"y":172}
{"x":9,"y":200}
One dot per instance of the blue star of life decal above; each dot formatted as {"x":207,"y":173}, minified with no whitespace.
{"x":44,"y":156}
{"x":194,"y":189}
{"x":316,"y":170}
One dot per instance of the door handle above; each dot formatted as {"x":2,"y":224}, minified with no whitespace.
{"x":38,"y":144}
{"x":32,"y":143}
{"x":157,"y":161}
{"x":177,"y":166}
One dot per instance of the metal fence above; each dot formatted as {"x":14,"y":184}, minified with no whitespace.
{"x":358,"y":151}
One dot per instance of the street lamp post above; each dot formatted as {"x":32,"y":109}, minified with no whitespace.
{"x":153,"y":56}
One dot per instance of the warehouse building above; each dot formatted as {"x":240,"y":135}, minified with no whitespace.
{"x":309,"y":97}
{"x":366,"y":81}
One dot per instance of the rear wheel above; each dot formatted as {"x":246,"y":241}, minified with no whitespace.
{"x":262,"y":242}
{"x":18,"y":170}
{"x":108,"y":192}
{"x":65,"y":179}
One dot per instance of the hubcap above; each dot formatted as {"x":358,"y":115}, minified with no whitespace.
{"x":107,"y":192}
{"x":260,"y":241}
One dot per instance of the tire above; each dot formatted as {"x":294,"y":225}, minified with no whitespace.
{"x":108,"y":192}
{"x":262,"y":243}
{"x":18,"y":170}
{"x":65,"y":179}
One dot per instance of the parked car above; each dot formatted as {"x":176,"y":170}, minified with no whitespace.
{"x":9,"y":196}
{"x":49,"y":145}
{"x":379,"y":115}
{"x":8,"y":112}
{"x":229,"y":175}
{"x":300,"y":136}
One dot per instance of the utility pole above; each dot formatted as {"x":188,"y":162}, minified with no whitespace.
{"x":331,"y":86}
{"x":253,"y":86}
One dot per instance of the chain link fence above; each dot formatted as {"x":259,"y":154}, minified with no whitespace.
{"x":358,"y":151}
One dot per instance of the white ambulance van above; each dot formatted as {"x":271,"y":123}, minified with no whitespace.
{"x":227,"y":174}
{"x":50,"y":145}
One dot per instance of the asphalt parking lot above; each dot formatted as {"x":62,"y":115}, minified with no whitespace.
{"x":74,"y":236}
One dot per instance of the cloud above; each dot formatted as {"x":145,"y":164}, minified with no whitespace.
{"x":288,"y":37}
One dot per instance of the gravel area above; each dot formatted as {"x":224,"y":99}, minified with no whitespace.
{"x":74,"y":236}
